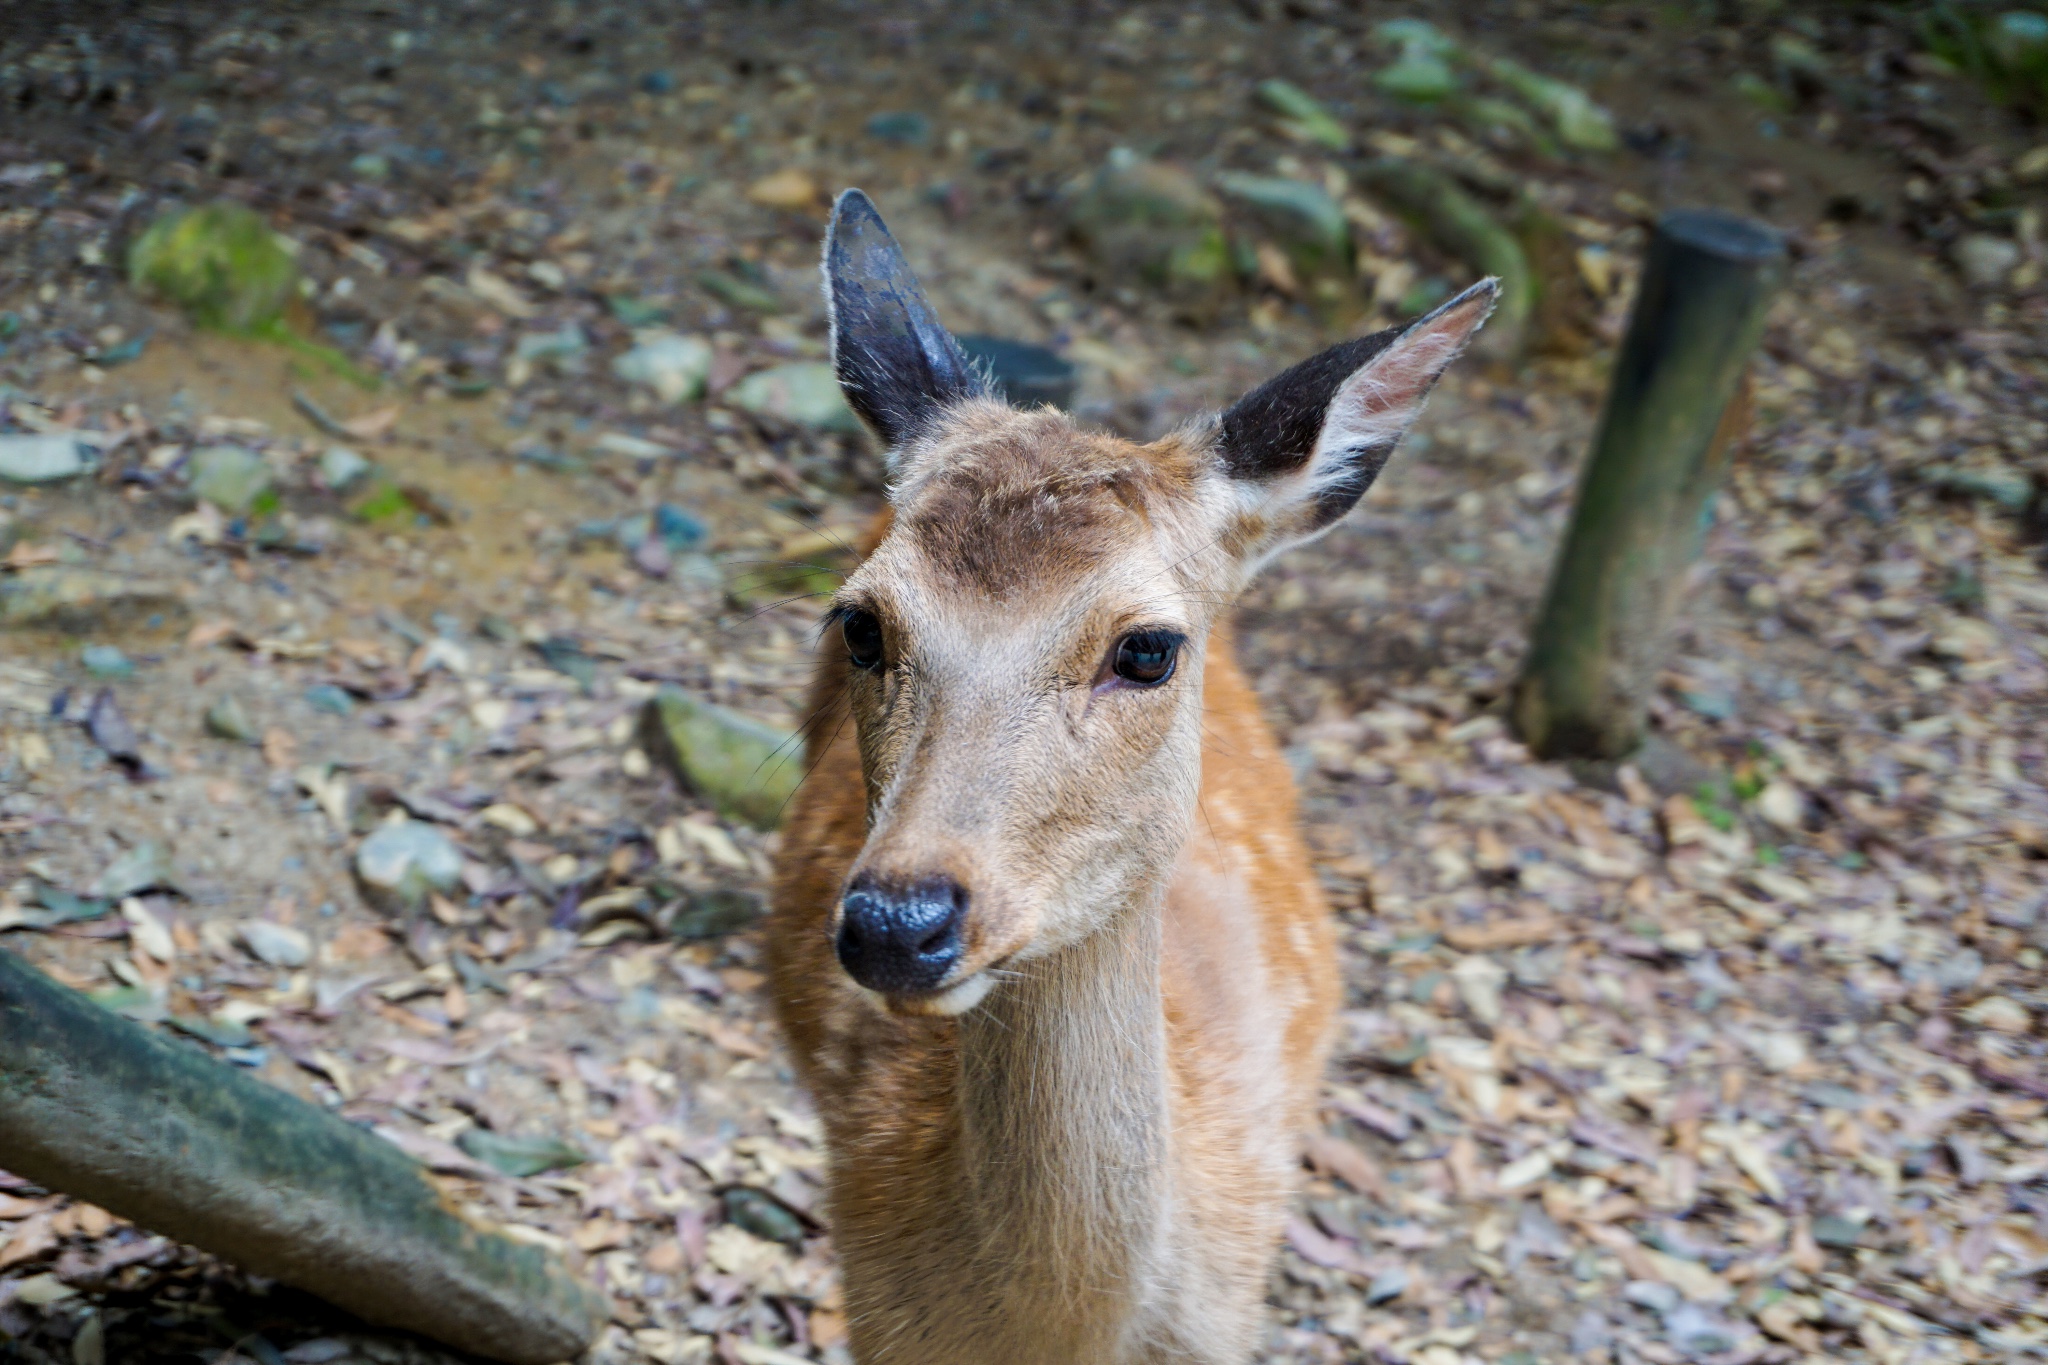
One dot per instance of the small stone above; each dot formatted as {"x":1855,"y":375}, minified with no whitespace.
{"x":78,"y":600}
{"x":1984,"y":261}
{"x":1833,"y":1230}
{"x":1391,"y":1283}
{"x":805,"y":393}
{"x":399,"y":864}
{"x":1655,"y":1295}
{"x":106,"y":661}
{"x":519,"y":1157}
{"x":278,"y":945}
{"x":715,"y":913}
{"x":674,"y":368}
{"x":232,"y":478}
{"x":1302,"y":115}
{"x":340,"y":467}
{"x":1697,"y":1332}
{"x":333,"y":700}
{"x":791,"y":190}
{"x":1155,"y":222}
{"x":2000,"y":1014}
{"x":1301,"y":217}
{"x":1781,"y":804}
{"x":1479,"y":981}
{"x":746,"y":769}
{"x":145,"y":867}
{"x":226,"y":719}
{"x":562,"y":350}
{"x":762,"y":1215}
{"x":678,"y":529}
{"x":43,"y":459}
{"x":905,"y":128}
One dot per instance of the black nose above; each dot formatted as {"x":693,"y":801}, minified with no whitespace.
{"x":901,"y":938}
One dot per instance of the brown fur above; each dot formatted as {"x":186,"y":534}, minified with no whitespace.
{"x":1092,"y":1164}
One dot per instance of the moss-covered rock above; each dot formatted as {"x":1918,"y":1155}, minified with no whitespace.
{"x":1148,"y":221}
{"x":746,"y":769}
{"x":221,"y":263}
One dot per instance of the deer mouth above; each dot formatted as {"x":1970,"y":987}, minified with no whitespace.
{"x":946,"y":1003}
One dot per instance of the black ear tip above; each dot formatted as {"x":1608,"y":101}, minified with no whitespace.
{"x":853,"y":209}
{"x":1483,"y":295}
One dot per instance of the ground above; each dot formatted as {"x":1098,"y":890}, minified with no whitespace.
{"x":1733,"y":1054}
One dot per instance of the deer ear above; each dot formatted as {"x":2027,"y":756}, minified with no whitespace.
{"x":1308,"y":442}
{"x":896,"y":364}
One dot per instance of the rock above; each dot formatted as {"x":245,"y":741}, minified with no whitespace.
{"x":221,"y":263}
{"x":145,"y":867}
{"x":1444,"y":213}
{"x":2000,"y":1014}
{"x":1781,"y":803}
{"x":111,"y":730}
{"x":520,"y":1157}
{"x":674,"y":368}
{"x":1302,"y":116}
{"x":747,"y":770}
{"x":106,"y":661}
{"x":332,"y":699}
{"x":804,"y":392}
{"x":1389,"y":1284}
{"x":763,"y":1215}
{"x":905,"y":128}
{"x":1983,"y":260}
{"x":399,"y":864}
{"x":791,"y":190}
{"x":340,"y":467}
{"x":1580,"y":123}
{"x":678,"y":529}
{"x":1301,"y":218}
{"x":1422,"y":73}
{"x":714,"y":914}
{"x":740,"y":292}
{"x":43,"y":459}
{"x":226,"y":719}
{"x":78,"y":600}
{"x":1155,"y":222}
{"x":232,"y":478}
{"x":1697,"y":1332}
{"x":278,"y":945}
{"x":1025,"y":374}
{"x":1967,"y":639}
{"x":1655,"y":1295}
{"x":562,"y":350}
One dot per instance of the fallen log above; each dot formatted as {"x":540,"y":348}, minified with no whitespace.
{"x":156,"y":1131}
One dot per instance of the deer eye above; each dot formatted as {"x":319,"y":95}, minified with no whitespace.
{"x":1146,"y":657}
{"x":863,"y":635}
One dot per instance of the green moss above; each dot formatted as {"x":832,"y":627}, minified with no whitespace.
{"x":221,"y":263}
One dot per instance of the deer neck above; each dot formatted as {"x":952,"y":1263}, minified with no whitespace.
{"x":1065,"y":1117}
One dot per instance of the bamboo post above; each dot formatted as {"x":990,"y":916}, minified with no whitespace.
{"x":1664,"y":441}
{"x":99,"y":1107}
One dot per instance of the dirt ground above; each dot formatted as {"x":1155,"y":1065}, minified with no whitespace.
{"x":1733,"y":1056}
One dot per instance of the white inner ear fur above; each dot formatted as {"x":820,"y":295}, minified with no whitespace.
{"x":1385,"y":395}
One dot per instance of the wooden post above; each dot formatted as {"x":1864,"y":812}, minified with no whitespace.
{"x":1664,"y":440}
{"x":159,"y":1133}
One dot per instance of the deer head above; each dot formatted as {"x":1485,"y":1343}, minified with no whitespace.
{"x":1024,"y":647}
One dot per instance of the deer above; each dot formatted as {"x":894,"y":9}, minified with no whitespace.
{"x":1045,"y":939}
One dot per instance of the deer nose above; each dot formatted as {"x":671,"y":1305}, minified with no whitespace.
{"x":899,"y":939}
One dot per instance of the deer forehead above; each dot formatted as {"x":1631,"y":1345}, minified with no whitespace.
{"x":1004,"y":505}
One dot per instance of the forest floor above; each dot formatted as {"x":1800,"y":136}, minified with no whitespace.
{"x":1736,"y":1056}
